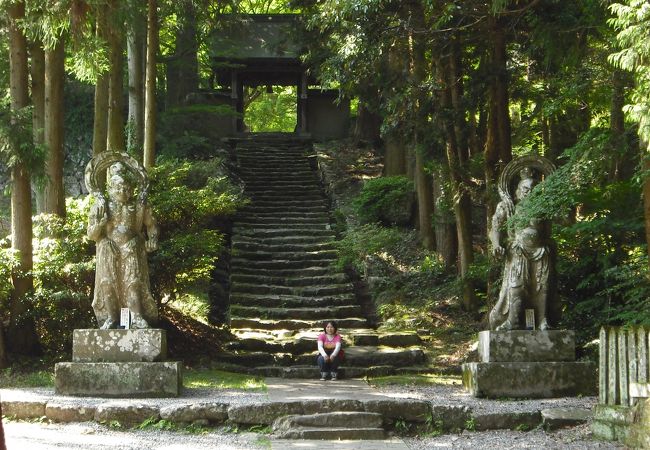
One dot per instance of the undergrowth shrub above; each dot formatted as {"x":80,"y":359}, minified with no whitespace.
{"x":388,"y":200}
{"x":366,"y":240}
{"x":188,"y":198}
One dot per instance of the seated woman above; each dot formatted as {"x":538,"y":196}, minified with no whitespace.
{"x":329,"y":351}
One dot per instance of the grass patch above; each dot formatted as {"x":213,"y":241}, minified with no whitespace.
{"x":414,"y":380}
{"x":10,"y":378}
{"x":212,"y":378}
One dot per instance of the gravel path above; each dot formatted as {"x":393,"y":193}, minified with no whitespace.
{"x":455,"y":394}
{"x":93,"y":436}
{"x":569,"y":438}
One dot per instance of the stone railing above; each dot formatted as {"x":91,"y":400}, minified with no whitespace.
{"x":624,"y":368}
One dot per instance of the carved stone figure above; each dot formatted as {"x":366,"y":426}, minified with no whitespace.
{"x":125,"y":230}
{"x":527,"y":272}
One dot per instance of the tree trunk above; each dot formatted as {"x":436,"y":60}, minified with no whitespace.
{"x":54,"y":199}
{"x":444,"y":224}
{"x":423,"y":186}
{"x":21,"y":334}
{"x":646,"y":194}
{"x":368,"y":125}
{"x":38,"y":111}
{"x":136,"y":64}
{"x":100,"y":122}
{"x":623,"y":164}
{"x":394,"y":157}
{"x":457,"y":160}
{"x":150,"y":85}
{"x":2,"y":432}
{"x":498,"y":146}
{"x":115,"y":140}
{"x":182,"y":69}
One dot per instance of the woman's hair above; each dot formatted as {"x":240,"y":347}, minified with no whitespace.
{"x":333,"y":323}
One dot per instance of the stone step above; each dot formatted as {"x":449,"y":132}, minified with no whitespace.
{"x":336,"y":278}
{"x":262,"y":255}
{"x":289,"y":301}
{"x":283,"y":191}
{"x":280,"y":264}
{"x":367,"y":356}
{"x":266,"y":232}
{"x":278,"y":174}
{"x":349,"y":419}
{"x":239,"y":246}
{"x":311,"y":371}
{"x":299,"y":227}
{"x":255,"y":182}
{"x":283,"y":212}
{"x":273,"y":174}
{"x":289,"y":203}
{"x":303,"y":237}
{"x":304,"y":313}
{"x":277,"y":220}
{"x":269,"y":324}
{"x":272,"y":196}
{"x":305,"y":291}
{"x":284,"y":272}
{"x":334,"y":433}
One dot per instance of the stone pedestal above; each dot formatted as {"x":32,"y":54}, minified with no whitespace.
{"x":528,"y":364}
{"x":119,"y":363}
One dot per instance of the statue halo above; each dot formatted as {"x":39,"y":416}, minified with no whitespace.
{"x":513,"y":168}
{"x":97,"y":166}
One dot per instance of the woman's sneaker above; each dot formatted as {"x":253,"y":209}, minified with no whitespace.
{"x":334,"y":376}
{"x":323,"y":376}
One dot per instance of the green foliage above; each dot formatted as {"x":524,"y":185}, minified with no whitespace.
{"x":188,"y":199}
{"x":64,"y":267}
{"x":632,"y":21}
{"x":363,"y":241}
{"x":9,"y":378}
{"x":16,"y":144}
{"x":272,"y":111}
{"x":381,"y":199}
{"x":191,"y":131}
{"x":219,"y":379}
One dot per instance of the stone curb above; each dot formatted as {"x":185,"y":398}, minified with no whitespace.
{"x":131,"y":413}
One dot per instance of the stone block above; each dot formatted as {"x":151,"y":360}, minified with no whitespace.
{"x":406,"y":409}
{"x":640,"y":390}
{"x":530,"y":379}
{"x":526,"y":346}
{"x":262,"y":413}
{"x":507,"y":420}
{"x":93,"y":345}
{"x":620,"y":415}
{"x":121,"y":379}
{"x":66,"y":412}
{"x":127,"y":414}
{"x":191,"y":413}
{"x":399,"y":339}
{"x":23,"y":410}
{"x":331,"y":404}
{"x":451,"y":417}
{"x":554,"y":418}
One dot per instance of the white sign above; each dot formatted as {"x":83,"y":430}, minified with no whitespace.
{"x":125,"y":318}
{"x":530,"y":319}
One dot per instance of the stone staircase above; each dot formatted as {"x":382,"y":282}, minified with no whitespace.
{"x":283,"y":283}
{"x":338,"y":425}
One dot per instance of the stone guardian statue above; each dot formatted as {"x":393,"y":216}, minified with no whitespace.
{"x":527,"y":250}
{"x":122,"y":225}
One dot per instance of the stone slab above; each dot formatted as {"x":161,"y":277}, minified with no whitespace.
{"x":526,"y":346}
{"x":530,"y":379}
{"x":553,"y":418}
{"x":387,"y":444}
{"x":93,"y":345}
{"x":121,"y":379}
{"x":640,"y":390}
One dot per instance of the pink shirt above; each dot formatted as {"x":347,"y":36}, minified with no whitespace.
{"x":328,"y":345}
